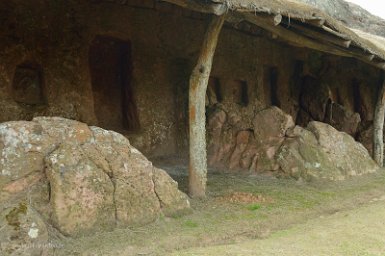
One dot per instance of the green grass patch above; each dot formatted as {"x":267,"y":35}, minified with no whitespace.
{"x":254,"y":207}
{"x":190,"y":224}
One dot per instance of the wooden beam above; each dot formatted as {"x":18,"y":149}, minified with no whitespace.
{"x":212,"y":8}
{"x":277,"y":19}
{"x":266,"y":23}
{"x":369,"y":57}
{"x":294,"y":38}
{"x":331,"y":31}
{"x":319,"y":36}
{"x":318,"y":22}
{"x":378,"y":127}
{"x":197,"y":95}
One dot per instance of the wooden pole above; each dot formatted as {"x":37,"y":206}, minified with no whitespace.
{"x":197,"y":92}
{"x":378,"y":127}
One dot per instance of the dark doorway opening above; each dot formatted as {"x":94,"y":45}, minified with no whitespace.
{"x":271,"y":86}
{"x":111,"y":74}
{"x":273,"y":77}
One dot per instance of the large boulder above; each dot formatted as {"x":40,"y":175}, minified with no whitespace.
{"x":270,"y":126}
{"x":272,"y":143}
{"x":235,"y":144}
{"x":322,"y":152}
{"x":81,"y":179}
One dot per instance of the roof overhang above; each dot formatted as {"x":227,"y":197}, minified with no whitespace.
{"x":298,"y":24}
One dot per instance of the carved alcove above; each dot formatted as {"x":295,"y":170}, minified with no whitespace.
{"x":28,"y":84}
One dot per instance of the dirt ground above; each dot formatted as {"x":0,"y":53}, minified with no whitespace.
{"x":257,"y":215}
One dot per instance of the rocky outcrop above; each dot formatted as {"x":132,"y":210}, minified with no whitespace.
{"x":244,"y":145}
{"x":274,"y":144}
{"x":80,"y":179}
{"x":322,"y":152}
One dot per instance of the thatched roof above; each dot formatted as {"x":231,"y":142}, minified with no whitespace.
{"x":299,"y":24}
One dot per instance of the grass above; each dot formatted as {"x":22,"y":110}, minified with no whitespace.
{"x":216,"y":221}
{"x":254,"y":207}
{"x":190,"y":224}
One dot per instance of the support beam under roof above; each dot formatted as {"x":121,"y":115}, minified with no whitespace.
{"x":197,"y":109}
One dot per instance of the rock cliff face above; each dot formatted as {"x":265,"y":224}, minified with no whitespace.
{"x":273,"y":143}
{"x":351,"y":14}
{"x":78,"y":179}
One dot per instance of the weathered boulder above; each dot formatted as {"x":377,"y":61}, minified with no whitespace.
{"x":82,"y":179}
{"x":235,"y":144}
{"x":322,"y":152}
{"x":272,"y":143}
{"x":270,"y":126}
{"x":81,"y":192}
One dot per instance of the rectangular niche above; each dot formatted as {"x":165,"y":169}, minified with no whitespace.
{"x":27,"y":86}
{"x":240,"y":92}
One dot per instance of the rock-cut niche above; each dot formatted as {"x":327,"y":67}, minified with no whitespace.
{"x":27,"y":86}
{"x":111,"y":74}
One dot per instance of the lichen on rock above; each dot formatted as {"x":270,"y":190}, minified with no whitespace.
{"x":95,"y":179}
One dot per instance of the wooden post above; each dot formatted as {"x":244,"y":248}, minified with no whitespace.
{"x":197,"y":95}
{"x":378,"y":127}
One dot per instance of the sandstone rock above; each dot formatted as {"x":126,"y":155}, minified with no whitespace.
{"x":216,"y":121}
{"x":19,"y":141}
{"x":172,"y":201}
{"x":81,"y":193}
{"x":322,"y":152}
{"x":274,"y":143}
{"x":241,"y":144}
{"x":81,"y":179}
{"x":270,"y":126}
{"x":237,"y":145}
{"x":135,"y":199}
{"x":23,"y":232}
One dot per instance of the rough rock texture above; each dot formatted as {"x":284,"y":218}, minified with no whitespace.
{"x":342,"y":119}
{"x":322,"y":152}
{"x":274,"y":144}
{"x":238,"y":144}
{"x":58,"y":47}
{"x":314,"y":98}
{"x":23,"y":232}
{"x":351,"y":14}
{"x":82,"y":179}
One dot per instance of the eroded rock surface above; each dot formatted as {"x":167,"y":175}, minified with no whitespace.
{"x":81,"y":179}
{"x":322,"y":152}
{"x":274,"y":144}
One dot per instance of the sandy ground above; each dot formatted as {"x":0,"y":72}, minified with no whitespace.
{"x":257,"y":215}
